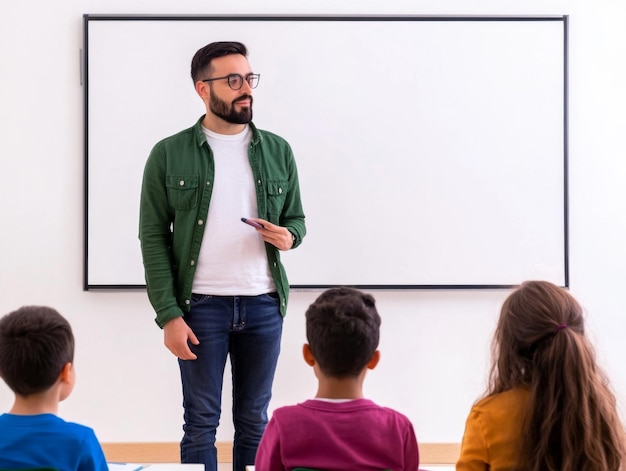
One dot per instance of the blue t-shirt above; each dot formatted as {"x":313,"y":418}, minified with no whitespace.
{"x":30,"y":441}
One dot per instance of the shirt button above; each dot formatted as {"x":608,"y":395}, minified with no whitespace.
{"x":200,"y":222}
{"x":274,"y":263}
{"x":280,"y":190}
{"x":181,"y":183}
{"x":259,"y":182}
{"x":187,"y":301}
{"x":208,"y":183}
{"x":193,"y":263}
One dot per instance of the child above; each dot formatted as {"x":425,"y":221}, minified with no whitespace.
{"x":548,"y":406}
{"x":339,"y":429}
{"x":36,"y":355}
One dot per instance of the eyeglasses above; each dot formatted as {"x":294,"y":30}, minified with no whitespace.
{"x":235,"y":81}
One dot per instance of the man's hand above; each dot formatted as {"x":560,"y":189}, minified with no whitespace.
{"x":278,"y":236}
{"x":177,"y":334}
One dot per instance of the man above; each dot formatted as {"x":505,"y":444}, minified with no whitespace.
{"x":217,"y":285}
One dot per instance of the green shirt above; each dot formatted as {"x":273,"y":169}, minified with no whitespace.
{"x":175,"y":197}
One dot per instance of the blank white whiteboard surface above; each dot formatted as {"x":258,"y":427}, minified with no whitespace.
{"x":431,"y":150}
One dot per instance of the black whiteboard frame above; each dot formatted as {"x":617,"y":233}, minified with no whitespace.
{"x":295,"y":18}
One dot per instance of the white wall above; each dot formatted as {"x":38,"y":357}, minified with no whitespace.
{"x":435,"y":345}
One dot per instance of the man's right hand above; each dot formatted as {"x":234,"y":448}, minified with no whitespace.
{"x":177,"y":334}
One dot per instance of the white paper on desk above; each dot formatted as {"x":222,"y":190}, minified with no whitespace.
{"x":125,"y":466}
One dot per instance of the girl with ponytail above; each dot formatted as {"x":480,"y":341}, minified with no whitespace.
{"x":548,"y":406}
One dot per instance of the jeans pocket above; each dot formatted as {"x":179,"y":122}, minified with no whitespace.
{"x":198,"y":299}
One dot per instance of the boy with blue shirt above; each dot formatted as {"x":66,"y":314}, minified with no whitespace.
{"x":36,"y":355}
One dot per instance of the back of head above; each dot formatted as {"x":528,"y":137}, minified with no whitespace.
{"x":201,"y":62}
{"x":571,"y":420}
{"x":36,"y":342}
{"x":530,"y":319}
{"x":343,"y":329}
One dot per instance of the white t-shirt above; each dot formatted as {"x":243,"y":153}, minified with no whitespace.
{"x":232,"y":260}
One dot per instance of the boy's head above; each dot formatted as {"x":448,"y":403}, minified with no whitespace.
{"x":343,"y":329}
{"x":36,"y":343}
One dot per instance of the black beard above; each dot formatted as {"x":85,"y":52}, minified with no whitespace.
{"x":228,"y":113}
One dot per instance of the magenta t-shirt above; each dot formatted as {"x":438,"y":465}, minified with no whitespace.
{"x":351,"y":435}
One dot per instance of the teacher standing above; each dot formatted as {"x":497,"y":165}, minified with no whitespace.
{"x":217,"y":285}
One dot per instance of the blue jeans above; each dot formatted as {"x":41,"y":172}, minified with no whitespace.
{"x":248,"y":328}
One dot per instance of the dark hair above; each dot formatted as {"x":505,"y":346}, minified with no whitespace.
{"x":36,"y":342}
{"x":201,"y":62}
{"x":343,"y":329}
{"x":571,"y":421}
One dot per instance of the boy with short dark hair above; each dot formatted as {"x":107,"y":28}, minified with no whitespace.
{"x":339,"y":429}
{"x":36,"y":355}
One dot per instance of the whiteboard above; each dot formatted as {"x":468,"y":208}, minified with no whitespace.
{"x":432,"y":151}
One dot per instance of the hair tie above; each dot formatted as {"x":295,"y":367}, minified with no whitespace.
{"x":559,"y":327}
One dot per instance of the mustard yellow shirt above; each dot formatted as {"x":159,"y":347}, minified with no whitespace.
{"x":492,"y":432}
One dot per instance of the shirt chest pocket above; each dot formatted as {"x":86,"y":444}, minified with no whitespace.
{"x":276,"y":196}
{"x":182,"y":191}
